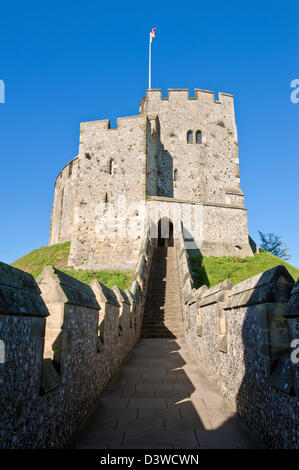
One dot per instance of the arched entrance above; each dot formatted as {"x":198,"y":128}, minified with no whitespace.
{"x":165,"y":232}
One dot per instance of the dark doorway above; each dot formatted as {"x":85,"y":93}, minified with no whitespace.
{"x":165,"y":232}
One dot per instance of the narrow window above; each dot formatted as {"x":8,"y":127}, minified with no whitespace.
{"x":198,"y":137}
{"x":222,"y":330}
{"x":111,"y":167}
{"x":175,"y":175}
{"x":199,"y":321}
{"x":189,"y":137}
{"x":70,"y":169}
{"x":106,"y":198}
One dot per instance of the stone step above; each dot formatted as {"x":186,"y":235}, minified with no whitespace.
{"x":163,"y":316}
{"x":174,"y":321}
{"x":163,"y":325}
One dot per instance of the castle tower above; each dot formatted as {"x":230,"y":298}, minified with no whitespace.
{"x":179,"y":153}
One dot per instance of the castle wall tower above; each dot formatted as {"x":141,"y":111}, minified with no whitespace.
{"x":112,"y":172}
{"x":198,"y":163}
{"x":64,"y":203}
{"x":179,"y":150}
{"x":200,"y":143}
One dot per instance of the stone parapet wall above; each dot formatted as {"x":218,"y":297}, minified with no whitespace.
{"x":240,"y":337}
{"x":63,"y":342}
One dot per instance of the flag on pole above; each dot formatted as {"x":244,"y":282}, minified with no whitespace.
{"x":152,"y":34}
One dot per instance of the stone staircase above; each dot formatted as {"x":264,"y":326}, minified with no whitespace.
{"x":163,"y":315}
{"x":160,"y":399}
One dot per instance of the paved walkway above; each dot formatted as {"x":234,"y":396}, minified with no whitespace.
{"x":160,"y":400}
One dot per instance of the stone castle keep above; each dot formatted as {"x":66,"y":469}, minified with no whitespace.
{"x":162,"y":364}
{"x":179,"y":150}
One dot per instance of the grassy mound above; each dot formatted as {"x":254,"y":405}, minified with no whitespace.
{"x":210,"y":270}
{"x":57,"y":255}
{"x":207,"y":270}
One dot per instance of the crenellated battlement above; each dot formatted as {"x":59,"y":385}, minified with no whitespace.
{"x":240,"y":336}
{"x":105,"y":124}
{"x":64,"y":341}
{"x":183,"y":94}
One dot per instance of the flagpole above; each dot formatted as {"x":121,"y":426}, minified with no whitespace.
{"x":149,"y":67}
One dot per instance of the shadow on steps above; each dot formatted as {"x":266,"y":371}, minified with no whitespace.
{"x":163,"y":315}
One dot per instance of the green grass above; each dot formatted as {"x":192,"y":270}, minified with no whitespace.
{"x":207,"y":270}
{"x":57,"y":255}
{"x":210,"y":270}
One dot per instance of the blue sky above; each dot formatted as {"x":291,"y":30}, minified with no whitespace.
{"x":66,"y":62}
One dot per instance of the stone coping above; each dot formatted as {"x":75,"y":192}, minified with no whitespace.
{"x":145,"y":247}
{"x":105,"y":294}
{"x":57,"y":286}
{"x":197,"y":294}
{"x":292,"y":310}
{"x":132,"y":297}
{"x":17,"y":279}
{"x":235,"y":191}
{"x":141,"y":266}
{"x":187,"y":289}
{"x":136,"y":290}
{"x":271,"y":275}
{"x":224,"y":285}
{"x":184,"y":201}
{"x":121,"y":295}
{"x":273,"y":285}
{"x":19,"y":293}
{"x":216,"y":294}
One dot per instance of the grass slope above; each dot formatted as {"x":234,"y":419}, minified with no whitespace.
{"x":57,"y":255}
{"x":211,"y":270}
{"x":207,"y":270}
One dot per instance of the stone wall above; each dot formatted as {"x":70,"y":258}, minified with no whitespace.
{"x":152,"y":151}
{"x":62,"y":219}
{"x":100,"y":197}
{"x":63,"y":341}
{"x":98,"y":191}
{"x":206,"y":170}
{"x":215,"y":230}
{"x":225,"y":231}
{"x":292,"y":319}
{"x":240,"y":336}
